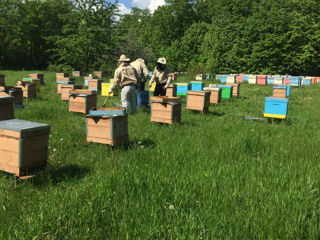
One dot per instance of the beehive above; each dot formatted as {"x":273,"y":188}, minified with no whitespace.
{"x":82,"y":101}
{"x":252,"y":79}
{"x":199,"y":77}
{"x":171,"y":90}
{"x":261,"y":79}
{"x":37,"y":76}
{"x":198,"y":100}
{"x":107,"y":126}
{"x":2,"y":80}
{"x":239,"y":78}
{"x":226,"y":91}
{"x":197,"y":86}
{"x":35,"y":81}
{"x":6,"y":107}
{"x":65,"y":90}
{"x":76,"y":74}
{"x":231,"y":79}
{"x":99,"y":74}
{"x":278,"y":81}
{"x":215,"y":94}
{"x":60,"y":83}
{"x":279,"y":92}
{"x":306,"y":81}
{"x":95,"y":84}
{"x":287,"y":87}
{"x":208,"y":76}
{"x":29,"y":89}
{"x":17,"y":93}
{"x":166,"y":109}
{"x":105,"y":87}
{"x":276,"y":107}
{"x":61,"y":75}
{"x":23,"y":146}
{"x":235,"y":89}
{"x":183,"y":88}
{"x":295,"y":81}
{"x":153,"y":87}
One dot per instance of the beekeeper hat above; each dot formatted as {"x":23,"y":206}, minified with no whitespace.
{"x":162,"y":61}
{"x":123,"y":58}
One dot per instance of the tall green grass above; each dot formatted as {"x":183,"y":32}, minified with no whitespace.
{"x":214,"y":176}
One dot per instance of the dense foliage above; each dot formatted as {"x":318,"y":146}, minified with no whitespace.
{"x":255,"y":36}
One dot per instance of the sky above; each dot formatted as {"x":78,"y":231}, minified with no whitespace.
{"x":125,"y":5}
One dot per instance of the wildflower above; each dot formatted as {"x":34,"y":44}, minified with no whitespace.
{"x":54,"y":149}
{"x":171,"y":207}
{"x":61,"y":139}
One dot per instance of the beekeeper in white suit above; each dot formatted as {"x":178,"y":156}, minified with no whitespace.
{"x":161,"y":75}
{"x":126,"y":76}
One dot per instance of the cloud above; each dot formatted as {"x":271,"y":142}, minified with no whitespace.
{"x":151,"y":4}
{"x":123,"y":9}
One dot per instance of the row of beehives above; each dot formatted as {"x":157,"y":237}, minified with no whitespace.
{"x":268,"y":79}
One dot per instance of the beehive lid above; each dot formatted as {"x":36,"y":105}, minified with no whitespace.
{"x":165,"y":99}
{"x":224,"y":86}
{"x":6,"y":99}
{"x":198,"y":82}
{"x":211,"y":89}
{"x":274,"y":99}
{"x":183,"y":84}
{"x":82,"y":92}
{"x":106,"y":84}
{"x":65,"y":82}
{"x":28,"y":79}
{"x":24,"y":128}
{"x":107,"y":112}
{"x":172,"y":85}
{"x":198,"y":93}
{"x":279,"y":87}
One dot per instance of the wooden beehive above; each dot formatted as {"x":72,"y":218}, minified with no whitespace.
{"x":198,"y":101}
{"x":29,"y":89}
{"x":99,"y":74}
{"x":6,"y":107}
{"x":76,"y":73}
{"x":171,"y":90}
{"x":61,"y":75}
{"x":166,"y":109}
{"x":65,"y":90}
{"x":94,"y":84}
{"x":235,"y":89}
{"x":34,"y":80}
{"x":107,"y":126}
{"x":279,"y":92}
{"x":23,"y":146}
{"x":2,"y":80}
{"x":82,"y":101}
{"x":17,"y":93}
{"x":37,"y":76}
{"x":215,"y":94}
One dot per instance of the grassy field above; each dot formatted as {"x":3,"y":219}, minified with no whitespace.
{"x":214,"y":176}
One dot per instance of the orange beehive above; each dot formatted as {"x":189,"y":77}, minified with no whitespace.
{"x":215,"y":94}
{"x":198,"y":101}
{"x":236,"y":88}
{"x":111,"y":129}
{"x":65,"y":90}
{"x":82,"y":101}
{"x":23,"y":146}
{"x":61,"y":75}
{"x":166,"y":109}
{"x":76,"y":73}
{"x":279,"y":92}
{"x":6,"y":107}
{"x":2,"y":80}
{"x":171,"y":90}
{"x":29,"y":89}
{"x":37,"y":76}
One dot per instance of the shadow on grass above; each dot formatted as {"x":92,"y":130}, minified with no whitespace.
{"x":209,"y":113}
{"x":136,"y":143}
{"x":53,"y":176}
{"x":279,"y":121}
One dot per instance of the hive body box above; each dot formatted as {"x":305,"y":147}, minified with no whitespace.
{"x":153,"y":87}
{"x":23,"y":146}
{"x":239,"y":78}
{"x":235,"y":89}
{"x":17,"y":93}
{"x":231,"y":79}
{"x":261,"y":79}
{"x":29,"y":90}
{"x":86,"y":80}
{"x":37,"y":76}
{"x":215,"y":95}
{"x":99,"y":74}
{"x":197,"y":86}
{"x":306,"y":82}
{"x":2,"y":80}
{"x":165,"y":110}
{"x":76,"y":73}
{"x":107,"y":126}
{"x":60,"y":83}
{"x":252,"y":79}
{"x":105,"y":87}
{"x":295,"y":81}
{"x":36,"y":81}
{"x":198,"y":101}
{"x":278,"y":81}
{"x":288,"y":88}
{"x":279,"y":92}
{"x":199,"y":77}
{"x":6,"y":107}
{"x":245,"y":78}
{"x":65,"y":90}
{"x":82,"y":101}
{"x":61,"y":75}
{"x":276,"y":107}
{"x":270,"y":80}
{"x":183,"y":88}
{"x":95,"y":84}
{"x":171,"y":90}
{"x":226,"y":91}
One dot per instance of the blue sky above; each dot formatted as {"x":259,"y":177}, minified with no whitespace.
{"x":125,"y":5}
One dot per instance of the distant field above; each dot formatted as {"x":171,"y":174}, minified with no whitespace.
{"x":214,"y":176}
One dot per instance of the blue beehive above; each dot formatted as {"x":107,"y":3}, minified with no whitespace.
{"x":270,"y":80}
{"x":208,"y":76}
{"x":288,"y":87}
{"x":142,"y":98}
{"x":182,"y":89}
{"x":276,"y":107}
{"x":197,"y":86}
{"x":306,"y":82}
{"x":86,"y":81}
{"x":107,"y":111}
{"x":295,"y":81}
{"x":245,"y":78}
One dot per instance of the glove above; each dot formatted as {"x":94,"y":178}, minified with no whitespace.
{"x":110,"y":91}
{"x":166,"y":86}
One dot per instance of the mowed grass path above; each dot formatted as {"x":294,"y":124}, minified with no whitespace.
{"x":214,"y":176}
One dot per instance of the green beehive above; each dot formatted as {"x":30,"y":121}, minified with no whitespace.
{"x":226,"y":91}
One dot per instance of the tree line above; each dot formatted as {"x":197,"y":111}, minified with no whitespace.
{"x":216,"y":36}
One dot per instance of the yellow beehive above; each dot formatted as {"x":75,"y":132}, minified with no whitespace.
{"x":105,"y":87}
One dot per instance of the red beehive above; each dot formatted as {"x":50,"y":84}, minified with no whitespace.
{"x":239,"y":78}
{"x":286,"y":81}
{"x":262,"y":79}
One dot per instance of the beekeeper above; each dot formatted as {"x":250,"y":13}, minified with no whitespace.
{"x":126,"y":76}
{"x":161,"y":75}
{"x":140,"y":65}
